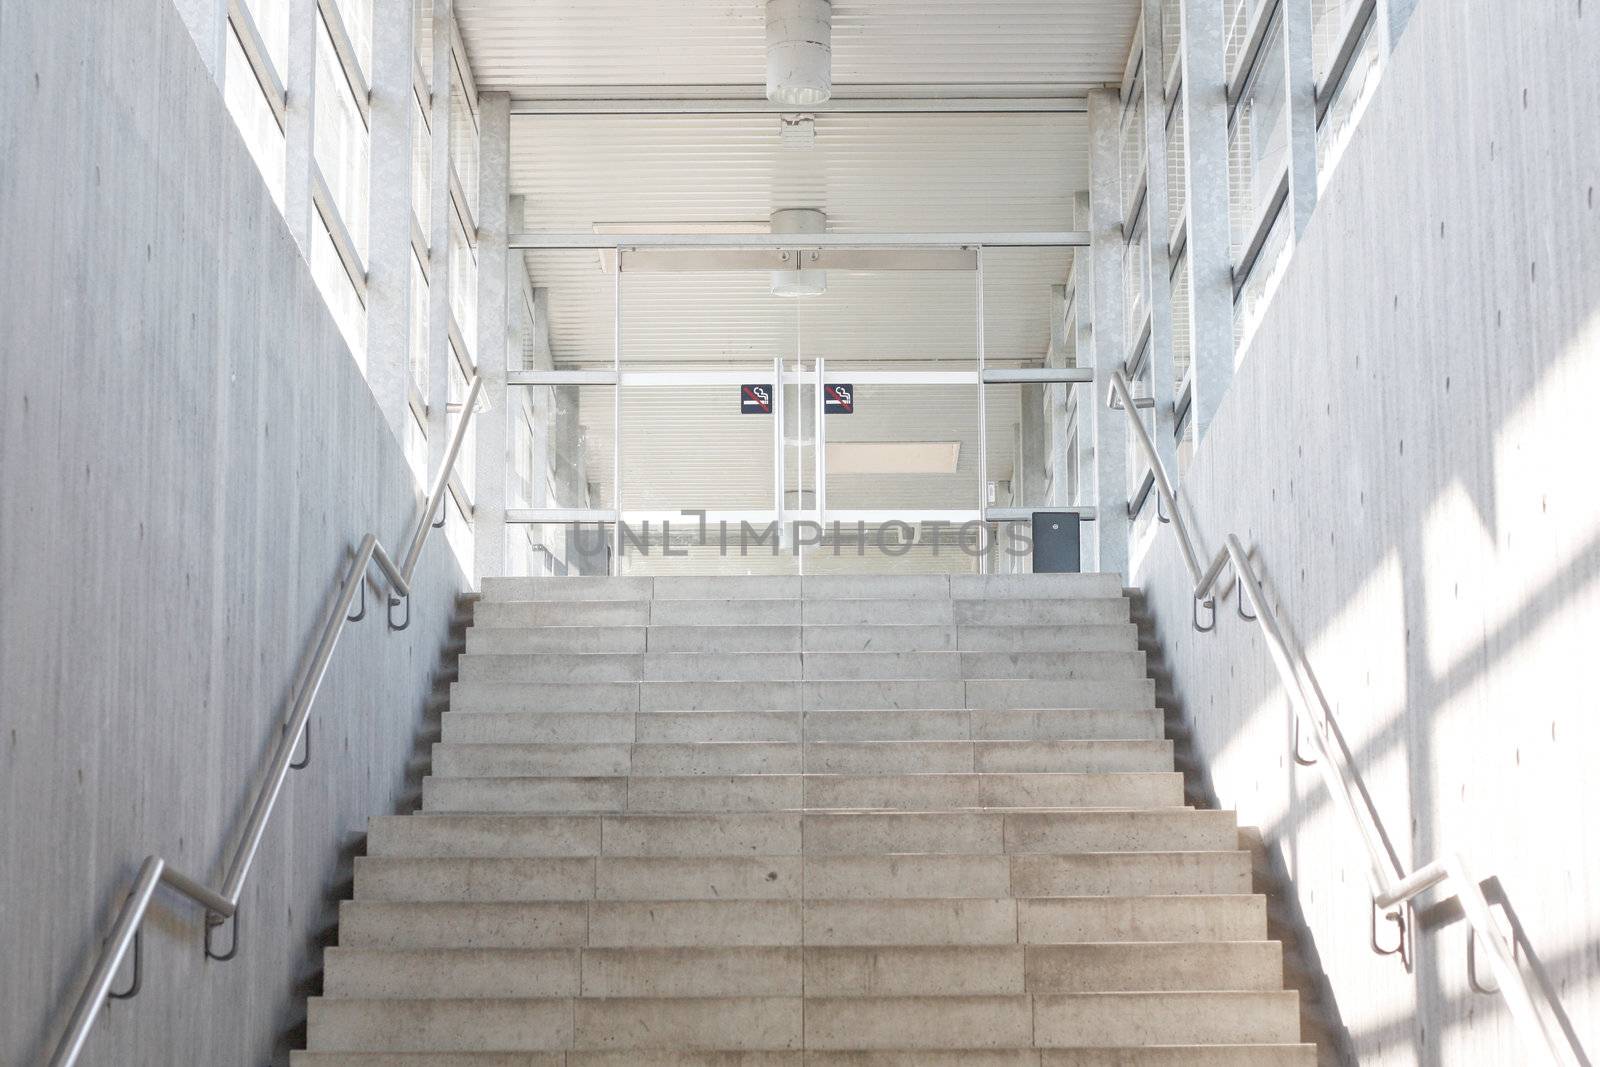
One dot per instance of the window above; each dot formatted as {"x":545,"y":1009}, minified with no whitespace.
{"x":464,"y":141}
{"x":1238,"y":15}
{"x":1135,"y":272}
{"x":341,"y":141}
{"x":458,"y":531}
{"x":421,"y":165}
{"x":463,"y":283}
{"x":422,"y":38}
{"x":1177,"y":191}
{"x":417,"y":449}
{"x":1261,"y":282}
{"x":258,"y":124}
{"x":357,"y":18}
{"x":524,"y":452}
{"x":272,"y":23}
{"x":466,"y":462}
{"x":1133,"y":138}
{"x":1171,"y":38}
{"x":1258,"y":150}
{"x":1182,"y":341}
{"x":419,"y":328}
{"x":328,"y":269}
{"x":1352,"y":86}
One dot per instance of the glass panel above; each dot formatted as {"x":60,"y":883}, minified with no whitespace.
{"x":1349,"y":101}
{"x":464,"y":141}
{"x":524,"y":328}
{"x":1171,"y":37}
{"x":1135,"y":272}
{"x":529,"y":461}
{"x":421,"y":166}
{"x":357,"y":16}
{"x":1328,"y":20}
{"x":1021,"y":439}
{"x":561,"y":436}
{"x":257,"y":123}
{"x":341,"y":141}
{"x":1186,"y":441}
{"x":464,"y":285}
{"x":467,"y":460}
{"x":272,"y":23}
{"x":1141,"y":387}
{"x":1177,"y":174}
{"x":558,"y":550}
{"x":422,"y":38}
{"x":693,"y":446}
{"x":1259,"y":148}
{"x":417,"y":449}
{"x":419,"y":328}
{"x":698,"y":445}
{"x":328,"y":269}
{"x":907,"y":445}
{"x":1133,"y":148}
{"x":1237,"y":15}
{"x":1263,"y":279}
{"x":1182,"y":332}
{"x":458,"y":531}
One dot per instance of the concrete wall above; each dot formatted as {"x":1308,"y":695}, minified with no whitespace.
{"x":187,"y":453}
{"x":1409,"y":445}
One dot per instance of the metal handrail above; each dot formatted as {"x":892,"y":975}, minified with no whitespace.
{"x":223,"y":904}
{"x":1389,"y":882}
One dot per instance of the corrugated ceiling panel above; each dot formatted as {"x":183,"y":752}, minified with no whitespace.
{"x":869,"y":172}
{"x":534,"y":44}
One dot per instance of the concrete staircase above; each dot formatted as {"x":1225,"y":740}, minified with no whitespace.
{"x":766,"y":822}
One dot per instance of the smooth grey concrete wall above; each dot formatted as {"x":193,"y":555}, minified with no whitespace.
{"x":187,"y":454}
{"x":1409,"y":446}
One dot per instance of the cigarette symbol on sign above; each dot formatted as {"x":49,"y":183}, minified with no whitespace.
{"x":838,"y":399}
{"x":755,"y":399}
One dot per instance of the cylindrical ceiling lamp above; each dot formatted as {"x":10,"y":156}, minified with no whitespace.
{"x":799,"y":51}
{"x":799,"y":282}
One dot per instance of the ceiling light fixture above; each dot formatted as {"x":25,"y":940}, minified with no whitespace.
{"x":799,"y":51}
{"x":799,"y":282}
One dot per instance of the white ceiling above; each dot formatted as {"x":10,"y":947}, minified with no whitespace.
{"x":562,"y":48}
{"x":871,"y":172}
{"x":878,"y":173}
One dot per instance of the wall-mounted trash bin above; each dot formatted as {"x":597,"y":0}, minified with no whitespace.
{"x":1055,"y":543}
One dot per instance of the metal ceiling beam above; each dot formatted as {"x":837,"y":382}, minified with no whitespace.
{"x":890,"y":105}
{"x":1025,"y":239}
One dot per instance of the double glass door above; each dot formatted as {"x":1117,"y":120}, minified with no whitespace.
{"x":735,"y":430}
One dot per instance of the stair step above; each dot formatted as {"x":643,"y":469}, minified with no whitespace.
{"x":1137,"y":1019}
{"x":456,"y":973}
{"x":1162,"y":1056}
{"x":677,"y":759}
{"x":1239,"y":966}
{"x":846,"y":1023}
{"x":623,"y":727}
{"x":1108,"y":694}
{"x":1039,"y":612}
{"x":866,"y":922}
{"x":722,"y":794}
{"x":523,"y":614}
{"x":837,"y":586}
{"x":793,"y":639}
{"x":780,"y":833}
{"x":906,"y":876}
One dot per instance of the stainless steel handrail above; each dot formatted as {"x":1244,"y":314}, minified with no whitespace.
{"x":1389,"y":882}
{"x":223,"y":904}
